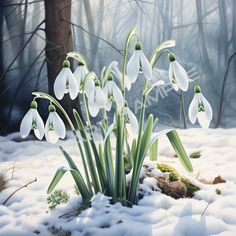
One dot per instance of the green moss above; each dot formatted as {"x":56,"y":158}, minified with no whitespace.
{"x":218,"y":191}
{"x":191,"y":188}
{"x":195,"y":155}
{"x":56,"y":198}
{"x":175,"y":176}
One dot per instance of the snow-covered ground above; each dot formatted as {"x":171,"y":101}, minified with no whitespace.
{"x":26,"y":213}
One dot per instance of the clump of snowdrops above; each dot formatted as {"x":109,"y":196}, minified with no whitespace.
{"x":104,"y":170}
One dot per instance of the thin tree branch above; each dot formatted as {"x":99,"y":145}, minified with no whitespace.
{"x":223,"y":89}
{"x":21,"y":50}
{"x":104,"y":40}
{"x":24,"y":186}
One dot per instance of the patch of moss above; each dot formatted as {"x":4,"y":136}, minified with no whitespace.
{"x":175,"y":176}
{"x":195,"y":155}
{"x":218,"y":191}
{"x":191,"y":188}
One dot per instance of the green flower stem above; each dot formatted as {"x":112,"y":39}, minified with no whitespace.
{"x":127,"y":43}
{"x":56,"y":103}
{"x":105,"y":118}
{"x":133,"y":186}
{"x":88,"y":122}
{"x":120,"y":170}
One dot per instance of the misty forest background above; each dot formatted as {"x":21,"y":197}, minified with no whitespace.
{"x":35,"y":36}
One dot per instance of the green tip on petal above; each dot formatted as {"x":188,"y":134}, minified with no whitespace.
{"x":51,"y":108}
{"x":197,"y":89}
{"x":109,"y":77}
{"x":97,"y":82}
{"x":138,"y":46}
{"x":66,"y":63}
{"x":171,"y":56}
{"x":80,"y":63}
{"x":126,"y":104}
{"x":34,"y":105}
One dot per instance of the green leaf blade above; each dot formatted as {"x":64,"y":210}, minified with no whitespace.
{"x":179,"y":149}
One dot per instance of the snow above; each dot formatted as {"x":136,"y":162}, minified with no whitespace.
{"x":27,"y":213}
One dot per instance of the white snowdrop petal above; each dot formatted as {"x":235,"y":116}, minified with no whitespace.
{"x":89,"y":88}
{"x":100,"y":98}
{"x":60,"y":84}
{"x":118,"y":75}
{"x":108,"y":105}
{"x":52,"y":137}
{"x":58,"y":125}
{"x":146,"y":67}
{"x":117,"y":95}
{"x":207,"y":106}
{"x":39,"y":132}
{"x":171,"y":77}
{"x":93,"y":108}
{"x":78,"y":74}
{"x":181,"y":76}
{"x":193,"y":109}
{"x":73,"y":85}
{"x":203,"y":120}
{"x":133,"y":120}
{"x":127,"y":83}
{"x":133,"y":66}
{"x":26,"y":123}
{"x":105,"y":90}
{"x":46,"y":129}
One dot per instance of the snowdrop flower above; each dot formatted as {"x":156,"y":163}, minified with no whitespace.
{"x":115,"y":70}
{"x":80,"y":73}
{"x":32,"y":121}
{"x":54,"y":128}
{"x":95,"y":95}
{"x":112,"y":93}
{"x":177,"y":74}
{"x":66,"y":82}
{"x":131,"y":123}
{"x":138,"y":63}
{"x":200,"y":109}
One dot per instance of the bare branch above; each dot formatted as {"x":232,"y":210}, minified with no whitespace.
{"x":104,"y":40}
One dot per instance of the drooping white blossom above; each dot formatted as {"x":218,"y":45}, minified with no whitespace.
{"x":54,"y":127}
{"x":138,"y":63}
{"x":32,"y":121}
{"x":115,"y":70}
{"x":95,"y":95}
{"x":66,"y":82}
{"x":112,"y":93}
{"x":177,"y":74}
{"x":131,"y":123}
{"x":80,"y":72}
{"x":200,"y":109}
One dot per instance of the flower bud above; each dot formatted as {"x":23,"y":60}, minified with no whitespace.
{"x":171,"y":56}
{"x":138,"y":46}
{"x":197,"y":89}
{"x":109,"y":77}
{"x":34,"y":105}
{"x":51,"y":108}
{"x":66,"y":63}
{"x":97,"y":82}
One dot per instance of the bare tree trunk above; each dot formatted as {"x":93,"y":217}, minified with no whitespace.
{"x":223,"y":30}
{"x":1,"y":64}
{"x":58,"y":42}
{"x":13,"y":18}
{"x":202,"y":43}
{"x":234,"y":30}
